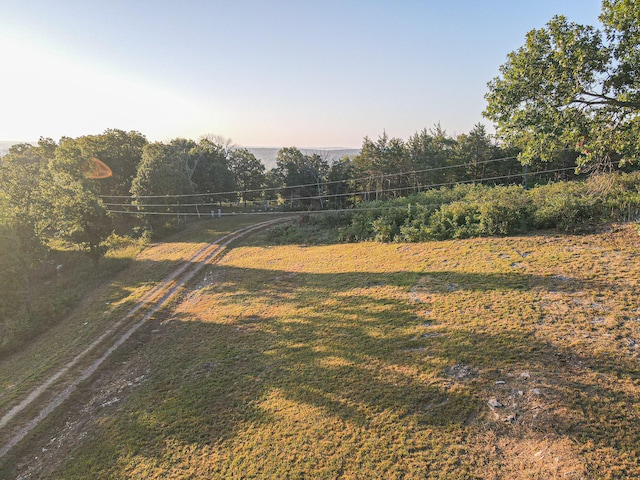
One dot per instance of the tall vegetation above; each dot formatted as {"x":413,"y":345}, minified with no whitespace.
{"x":573,"y":86}
{"x":469,"y":210}
{"x":50,"y":196}
{"x":302,"y":178}
{"x":249,"y":174}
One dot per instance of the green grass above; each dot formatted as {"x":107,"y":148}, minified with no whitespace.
{"x":376,"y":361}
{"x":76,"y":306}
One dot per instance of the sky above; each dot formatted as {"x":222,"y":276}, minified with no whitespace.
{"x":305,"y":73}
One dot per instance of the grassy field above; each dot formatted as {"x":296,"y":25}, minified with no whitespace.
{"x":483,"y":358}
{"x":90,"y":299}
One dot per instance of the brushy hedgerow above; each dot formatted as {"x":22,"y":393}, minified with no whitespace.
{"x":466,"y":211}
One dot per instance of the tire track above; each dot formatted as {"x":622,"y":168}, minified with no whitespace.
{"x":154,"y":300}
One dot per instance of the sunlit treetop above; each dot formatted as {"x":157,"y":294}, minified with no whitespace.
{"x":573,"y":86}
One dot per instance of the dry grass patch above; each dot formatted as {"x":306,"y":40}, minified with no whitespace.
{"x":102,"y":295}
{"x":482,"y":358}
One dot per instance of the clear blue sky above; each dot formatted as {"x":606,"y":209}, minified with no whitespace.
{"x":308,"y":73}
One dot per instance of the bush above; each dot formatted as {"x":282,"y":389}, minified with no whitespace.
{"x":387,"y":225}
{"x":459,"y":219}
{"x":360,"y":228}
{"x":416,"y":225}
{"x":467,"y":211}
{"x":483,"y":211}
{"x":567,"y":206}
{"x":316,"y":228}
{"x":622,"y":202}
{"x":505,"y":211}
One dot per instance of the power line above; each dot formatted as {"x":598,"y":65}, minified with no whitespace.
{"x":347,"y":194}
{"x":438,"y":185}
{"x":315,"y":184}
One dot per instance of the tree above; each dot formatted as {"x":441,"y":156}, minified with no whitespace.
{"x":121,"y":151}
{"x":431,"y":152}
{"x":210,"y":170}
{"x":340,"y":182}
{"x":13,"y":281}
{"x":475,"y":148}
{"x":23,"y":172}
{"x":382,"y":161}
{"x":273,"y":184}
{"x":572,"y":86}
{"x":23,"y":219}
{"x":77,"y":212}
{"x":248,"y":172}
{"x":163,"y":171}
{"x":302,"y":177}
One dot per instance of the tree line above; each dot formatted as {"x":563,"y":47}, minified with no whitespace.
{"x":45,"y":192}
{"x":390,"y":167}
{"x":48,"y":194}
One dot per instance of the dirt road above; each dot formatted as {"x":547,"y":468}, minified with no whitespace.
{"x":52,"y":393}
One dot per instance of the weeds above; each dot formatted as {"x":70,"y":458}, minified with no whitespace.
{"x":468,"y":211}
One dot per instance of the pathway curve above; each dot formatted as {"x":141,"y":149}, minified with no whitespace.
{"x":81,"y":368}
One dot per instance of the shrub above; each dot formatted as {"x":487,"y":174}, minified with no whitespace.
{"x":505,"y":211}
{"x":360,"y":228}
{"x":310,"y":228}
{"x":416,"y":225}
{"x":622,"y":200}
{"x":386,"y":227}
{"x":476,"y":210}
{"x":458,"y":219}
{"x":567,"y":206}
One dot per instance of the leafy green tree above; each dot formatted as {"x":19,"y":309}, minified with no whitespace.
{"x":181,"y":167}
{"x":23,"y":220}
{"x":572,"y":86}
{"x":13,"y":281}
{"x":164,"y":170}
{"x":475,"y":149}
{"x":383,"y":161}
{"x":273,"y":185}
{"x":249,"y":173}
{"x":121,"y":151}
{"x":302,"y":177}
{"x":341,"y":182}
{"x":431,"y":152}
{"x":317,"y":167}
{"x":76,"y":211}
{"x":211,"y":169}
{"x":621,"y":20}
{"x":23,"y":171}
{"x":290,"y":170}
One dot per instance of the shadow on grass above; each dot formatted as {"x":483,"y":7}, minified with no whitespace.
{"x":355,"y":360}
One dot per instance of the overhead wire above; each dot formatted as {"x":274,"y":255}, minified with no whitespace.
{"x":331,"y":182}
{"x":351,"y":194}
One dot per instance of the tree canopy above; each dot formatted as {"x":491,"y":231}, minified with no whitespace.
{"x":77,"y":212}
{"x":248,"y":171}
{"x":302,"y":177}
{"x":574,"y":87}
